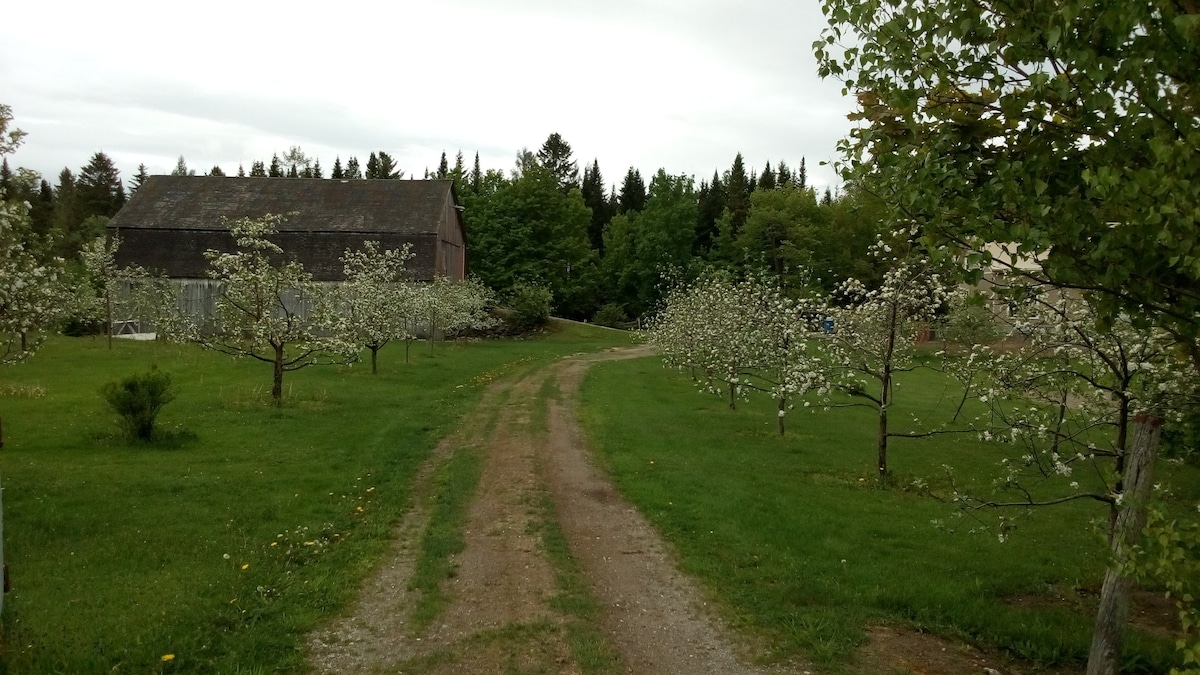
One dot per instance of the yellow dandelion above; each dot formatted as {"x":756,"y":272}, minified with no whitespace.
{"x":168,"y":657}
{"x":274,"y":543}
{"x":246,"y":566}
{"x":309,"y":543}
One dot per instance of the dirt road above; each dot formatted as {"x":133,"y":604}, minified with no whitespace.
{"x":516,"y":603}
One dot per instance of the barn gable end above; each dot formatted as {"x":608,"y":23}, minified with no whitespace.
{"x":171,"y":221}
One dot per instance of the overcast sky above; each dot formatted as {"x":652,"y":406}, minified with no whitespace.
{"x":678,"y":84}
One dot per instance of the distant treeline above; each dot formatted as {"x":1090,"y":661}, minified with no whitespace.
{"x":612,"y":250}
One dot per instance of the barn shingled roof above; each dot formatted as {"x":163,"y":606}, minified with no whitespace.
{"x":171,"y":220}
{"x":316,"y":205}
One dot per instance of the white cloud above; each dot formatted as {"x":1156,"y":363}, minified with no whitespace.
{"x":645,"y":83}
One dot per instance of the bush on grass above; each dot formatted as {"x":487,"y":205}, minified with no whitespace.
{"x":138,"y":399}
{"x":610,"y":315}
{"x":530,"y":304}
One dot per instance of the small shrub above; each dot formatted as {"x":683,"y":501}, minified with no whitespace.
{"x":138,"y":399}
{"x":530,"y":304}
{"x":610,"y":315}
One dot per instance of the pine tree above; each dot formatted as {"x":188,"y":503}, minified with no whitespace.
{"x":181,"y":168}
{"x":352,"y":170}
{"x":555,"y":156}
{"x":337,"y":173}
{"x":99,"y":188}
{"x":258,"y":169}
{"x":633,"y":192}
{"x":276,"y":170}
{"x":385,"y":167}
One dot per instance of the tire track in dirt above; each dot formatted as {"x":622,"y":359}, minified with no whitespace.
{"x":656,"y":616}
{"x":500,"y":616}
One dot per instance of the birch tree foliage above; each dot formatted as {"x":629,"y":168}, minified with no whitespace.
{"x":267,"y":309}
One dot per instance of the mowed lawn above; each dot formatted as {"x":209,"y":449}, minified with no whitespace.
{"x":800,"y":544}
{"x":216,"y":548}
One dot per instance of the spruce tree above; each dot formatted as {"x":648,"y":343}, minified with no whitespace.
{"x":241,"y":171}
{"x":712,"y":200}
{"x":352,"y":171}
{"x":99,"y":189}
{"x":41,"y":213}
{"x":258,"y":169}
{"x":315,"y":171}
{"x":737,"y":198}
{"x":767,"y":180}
{"x":476,"y":175}
{"x":633,"y":192}
{"x":337,"y":173}
{"x":292,"y":172}
{"x":443,"y":169}
{"x":784,"y":174}
{"x":216,"y":171}
{"x":276,"y":170}
{"x":67,"y":215}
{"x":6,"y":180}
{"x":596,"y":198}
{"x":802,"y":176}
{"x":555,"y":156}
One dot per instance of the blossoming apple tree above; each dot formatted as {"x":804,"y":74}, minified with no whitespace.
{"x":268,"y":310}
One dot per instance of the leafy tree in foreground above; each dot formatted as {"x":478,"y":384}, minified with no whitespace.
{"x":1068,"y":128}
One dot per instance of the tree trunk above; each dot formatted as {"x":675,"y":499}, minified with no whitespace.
{"x":1112,"y":617}
{"x":277,"y":385}
{"x":732,"y":402}
{"x":782,"y":403}
{"x":108,"y":315}
{"x":374,"y":360}
{"x":885,"y":391}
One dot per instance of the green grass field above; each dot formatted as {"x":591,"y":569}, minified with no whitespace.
{"x":216,"y":548}
{"x":801,"y":545}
